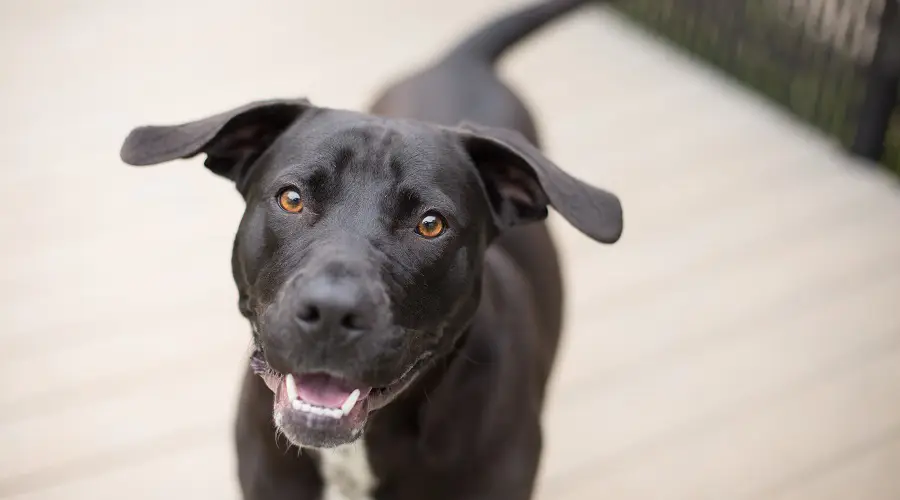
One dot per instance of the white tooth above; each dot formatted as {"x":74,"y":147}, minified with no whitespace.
{"x":350,"y":402}
{"x":305,"y":406}
{"x":291,"y":387}
{"x":336,"y":413}
{"x":318,"y":411}
{"x":297,"y":404}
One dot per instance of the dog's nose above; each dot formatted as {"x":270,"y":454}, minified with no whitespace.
{"x":327,"y":306}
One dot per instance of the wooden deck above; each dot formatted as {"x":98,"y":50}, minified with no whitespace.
{"x":741,"y":342}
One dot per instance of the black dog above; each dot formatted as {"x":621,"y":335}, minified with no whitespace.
{"x":404,"y":293}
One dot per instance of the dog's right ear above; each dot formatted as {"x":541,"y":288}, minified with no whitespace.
{"x":522,"y":182}
{"x":232,"y":140}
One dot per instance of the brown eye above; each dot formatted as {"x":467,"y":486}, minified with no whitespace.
{"x":290,"y":201}
{"x":431,"y":226}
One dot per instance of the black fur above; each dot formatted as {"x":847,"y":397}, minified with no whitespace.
{"x":465,"y":324}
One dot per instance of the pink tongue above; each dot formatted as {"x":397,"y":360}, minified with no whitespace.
{"x":323,"y":390}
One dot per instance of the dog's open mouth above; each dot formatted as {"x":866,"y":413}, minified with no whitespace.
{"x":322,"y":410}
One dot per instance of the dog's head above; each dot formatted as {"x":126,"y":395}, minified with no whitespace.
{"x":358,"y":258}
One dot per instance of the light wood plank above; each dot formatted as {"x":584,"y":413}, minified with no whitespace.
{"x":758,"y":448}
{"x":866,"y":474}
{"x":196,"y":464}
{"x":735,"y":370}
{"x":198,"y":394}
{"x":147,"y":351}
{"x":756,"y":288}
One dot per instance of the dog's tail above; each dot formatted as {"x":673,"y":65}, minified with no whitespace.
{"x":489,"y":42}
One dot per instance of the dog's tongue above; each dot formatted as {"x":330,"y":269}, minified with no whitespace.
{"x":324,"y":390}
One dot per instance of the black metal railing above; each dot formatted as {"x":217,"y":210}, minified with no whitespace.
{"x":834,"y":63}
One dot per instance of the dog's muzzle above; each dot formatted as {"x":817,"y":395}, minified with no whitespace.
{"x":329,"y":352}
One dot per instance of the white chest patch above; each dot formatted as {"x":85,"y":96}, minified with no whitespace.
{"x":346,"y":472}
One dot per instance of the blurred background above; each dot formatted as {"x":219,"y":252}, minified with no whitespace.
{"x":742,"y":341}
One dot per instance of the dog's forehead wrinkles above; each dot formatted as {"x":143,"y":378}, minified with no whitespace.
{"x":371,"y":176}
{"x":390,"y":158}
{"x":381,"y":143}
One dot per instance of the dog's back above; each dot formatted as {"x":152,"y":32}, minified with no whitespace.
{"x":463,"y":85}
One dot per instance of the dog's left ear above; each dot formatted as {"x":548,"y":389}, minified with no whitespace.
{"x":521,"y":182}
{"x":232,"y":140}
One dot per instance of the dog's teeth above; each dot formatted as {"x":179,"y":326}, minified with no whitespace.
{"x":350,"y":402}
{"x":291,"y":387}
{"x":300,"y":405}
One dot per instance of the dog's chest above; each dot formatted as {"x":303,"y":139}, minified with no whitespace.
{"x":346,"y":473}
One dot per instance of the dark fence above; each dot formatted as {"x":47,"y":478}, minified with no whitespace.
{"x":834,"y":63}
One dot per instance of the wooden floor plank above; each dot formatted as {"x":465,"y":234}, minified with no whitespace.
{"x":152,"y":349}
{"x":633,"y":408}
{"x":760,"y":288}
{"x":721,"y":236}
{"x":759,"y":448}
{"x":869,"y":473}
{"x":201,"y":393}
{"x":196,"y":464}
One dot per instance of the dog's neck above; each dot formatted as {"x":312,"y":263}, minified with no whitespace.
{"x":346,"y":471}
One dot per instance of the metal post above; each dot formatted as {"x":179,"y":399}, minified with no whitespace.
{"x":883,"y":84}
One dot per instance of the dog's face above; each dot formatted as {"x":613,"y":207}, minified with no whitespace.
{"x":359,"y":255}
{"x":358,"y":258}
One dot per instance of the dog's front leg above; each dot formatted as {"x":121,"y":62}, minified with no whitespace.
{"x":505,"y":471}
{"x":269,"y":468}
{"x":513,"y":475}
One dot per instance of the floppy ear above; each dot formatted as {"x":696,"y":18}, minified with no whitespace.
{"x":521,"y":182}
{"x":232,"y":140}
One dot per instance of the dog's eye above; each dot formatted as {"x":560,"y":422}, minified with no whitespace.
{"x":290,"y":200}
{"x":431,"y":226}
